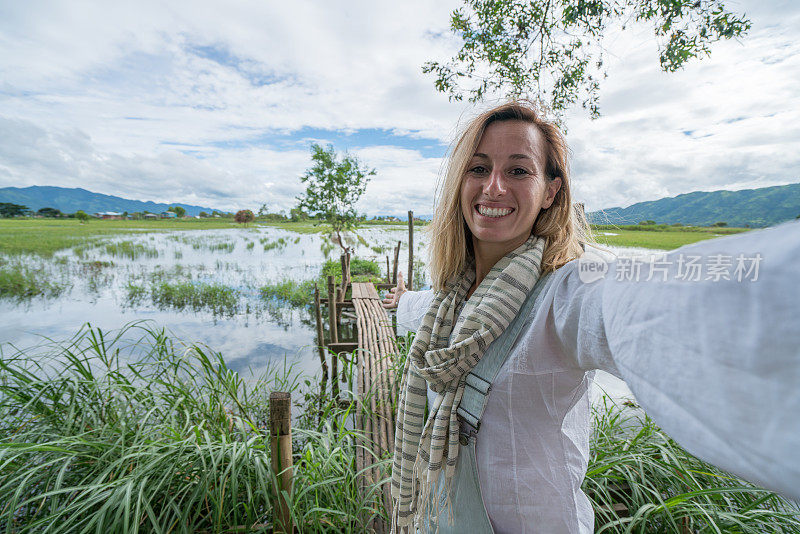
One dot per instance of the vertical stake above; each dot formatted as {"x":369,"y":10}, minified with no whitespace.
{"x":334,"y":331}
{"x":410,"y":281}
{"x":335,"y":376}
{"x":388,"y":271}
{"x":333,"y":322}
{"x":345,"y":263}
{"x":396,"y":261}
{"x":320,"y":337}
{"x":280,"y":441}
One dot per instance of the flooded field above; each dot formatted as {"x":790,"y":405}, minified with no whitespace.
{"x":203,"y":286}
{"x":206,"y":287}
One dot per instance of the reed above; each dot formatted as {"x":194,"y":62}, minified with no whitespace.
{"x":22,"y":281}
{"x":663,"y":488}
{"x":136,"y":431}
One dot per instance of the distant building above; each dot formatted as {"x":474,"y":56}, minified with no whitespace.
{"x":150,"y":216}
{"x":108,"y":215}
{"x":168,"y":215}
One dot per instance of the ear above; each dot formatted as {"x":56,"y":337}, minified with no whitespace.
{"x":552,"y":188}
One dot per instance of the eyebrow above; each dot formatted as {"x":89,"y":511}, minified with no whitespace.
{"x":512,"y":156}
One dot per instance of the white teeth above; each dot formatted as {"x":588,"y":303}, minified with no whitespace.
{"x":493,"y":212}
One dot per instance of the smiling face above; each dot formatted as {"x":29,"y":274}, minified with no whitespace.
{"x":505,"y":187}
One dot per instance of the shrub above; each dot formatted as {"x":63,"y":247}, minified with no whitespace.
{"x":244,"y":217}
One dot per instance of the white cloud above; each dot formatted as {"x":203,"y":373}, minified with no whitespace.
{"x":173,"y":103}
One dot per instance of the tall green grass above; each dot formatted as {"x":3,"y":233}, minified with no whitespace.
{"x":138,"y":432}
{"x":665,"y":489}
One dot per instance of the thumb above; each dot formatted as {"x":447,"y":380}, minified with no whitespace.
{"x":400,"y":283}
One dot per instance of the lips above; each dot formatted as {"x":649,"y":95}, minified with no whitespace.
{"x":493,"y":212}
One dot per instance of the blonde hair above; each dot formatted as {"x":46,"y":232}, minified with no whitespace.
{"x":564,"y":229}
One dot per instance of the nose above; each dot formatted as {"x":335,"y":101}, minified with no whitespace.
{"x":495,"y":186}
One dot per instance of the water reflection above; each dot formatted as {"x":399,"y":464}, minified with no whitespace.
{"x":101,"y":282}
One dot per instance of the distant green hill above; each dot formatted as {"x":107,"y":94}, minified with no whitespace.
{"x":70,"y":200}
{"x":765,"y":206}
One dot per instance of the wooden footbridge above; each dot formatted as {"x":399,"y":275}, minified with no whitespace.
{"x":374,"y":350}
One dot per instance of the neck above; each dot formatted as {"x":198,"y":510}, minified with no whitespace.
{"x":487,"y":254}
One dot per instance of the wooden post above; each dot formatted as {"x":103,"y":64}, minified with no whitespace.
{"x":410,"y":273}
{"x":388,"y":271}
{"x":345,"y":283}
{"x":333,"y":322}
{"x":320,"y":337}
{"x":280,"y":441}
{"x":345,"y":262}
{"x":334,"y":331}
{"x":396,"y":261}
{"x":335,"y":375}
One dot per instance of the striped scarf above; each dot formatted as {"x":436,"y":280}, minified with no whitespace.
{"x":421,"y":447}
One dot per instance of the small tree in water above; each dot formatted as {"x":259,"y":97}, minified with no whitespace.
{"x":244,"y":217}
{"x":82,"y":216}
{"x":333,"y":187}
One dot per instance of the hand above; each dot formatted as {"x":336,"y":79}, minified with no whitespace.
{"x":393,"y":296}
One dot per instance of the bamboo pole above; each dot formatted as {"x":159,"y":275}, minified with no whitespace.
{"x":388,"y":271}
{"x":280,"y":431}
{"x":320,"y":337}
{"x":410,"y":273}
{"x":332,"y":324}
{"x":345,"y":263}
{"x":396,"y":261}
{"x":344,"y":290}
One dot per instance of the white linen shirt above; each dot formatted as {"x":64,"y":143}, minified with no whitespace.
{"x":715,"y":362}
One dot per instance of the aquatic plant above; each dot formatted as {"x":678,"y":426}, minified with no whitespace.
{"x":217,"y":298}
{"x":23,"y":281}
{"x":360,"y":270}
{"x":268,"y":244}
{"x":130,"y":250}
{"x":221,"y":246}
{"x":297,"y":294}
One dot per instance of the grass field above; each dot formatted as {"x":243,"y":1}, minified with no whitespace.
{"x":47,"y":236}
{"x":44,"y":237}
{"x":658,"y":237}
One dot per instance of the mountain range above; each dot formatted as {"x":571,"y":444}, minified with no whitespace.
{"x":760,"y":207}
{"x":70,"y":200}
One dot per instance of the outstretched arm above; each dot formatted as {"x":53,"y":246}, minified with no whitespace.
{"x":715,"y":361}
{"x":411,"y":305}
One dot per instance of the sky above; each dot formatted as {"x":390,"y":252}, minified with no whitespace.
{"x":217,"y":104}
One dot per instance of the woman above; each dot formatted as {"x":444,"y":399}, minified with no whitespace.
{"x":509,"y":336}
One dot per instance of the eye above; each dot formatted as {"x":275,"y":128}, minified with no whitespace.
{"x":519,"y":171}
{"x":478,"y":169}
